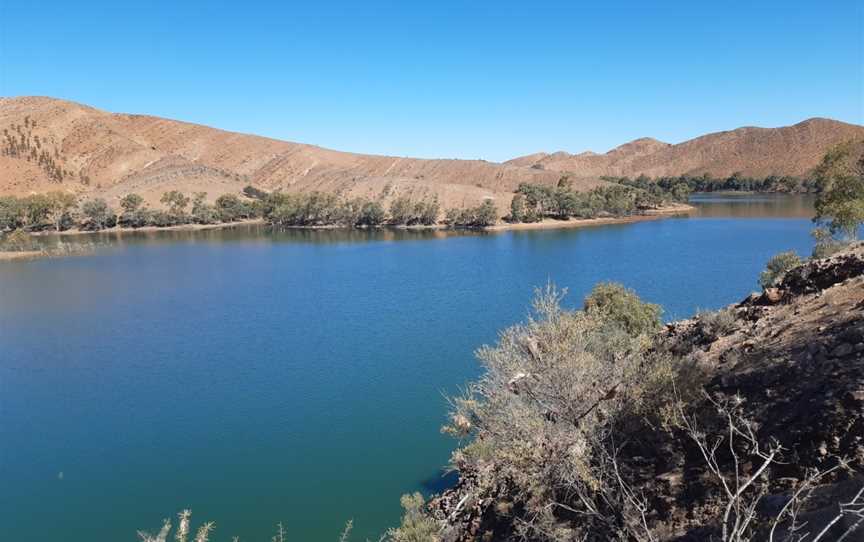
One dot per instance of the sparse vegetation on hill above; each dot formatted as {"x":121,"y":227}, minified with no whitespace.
{"x":734,"y":183}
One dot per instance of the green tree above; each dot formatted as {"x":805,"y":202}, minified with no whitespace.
{"x":840,"y":205}
{"x":401,"y":211}
{"x":372,"y":214}
{"x":517,"y":208}
{"x":777,"y":266}
{"x":11,"y":213}
{"x":97,"y":215}
{"x":176,"y":202}
{"x":131,"y":203}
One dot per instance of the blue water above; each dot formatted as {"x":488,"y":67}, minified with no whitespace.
{"x":257,"y":377}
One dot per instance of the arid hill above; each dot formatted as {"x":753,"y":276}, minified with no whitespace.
{"x":50,"y":144}
{"x":758,"y":152}
{"x":115,"y":154}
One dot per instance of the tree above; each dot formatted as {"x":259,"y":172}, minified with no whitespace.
{"x":98,"y":215}
{"x":176,"y":202}
{"x":517,"y":208}
{"x":131,"y":203}
{"x":840,"y":205}
{"x":401,"y":211}
{"x":230,"y":208}
{"x":11,"y":214}
{"x":777,"y":266}
{"x":371,"y":214}
{"x":60,"y":205}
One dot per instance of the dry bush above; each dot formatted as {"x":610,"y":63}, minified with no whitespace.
{"x":716,"y":324}
{"x":557,"y":393}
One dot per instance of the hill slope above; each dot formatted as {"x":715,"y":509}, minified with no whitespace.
{"x":49,"y":144}
{"x":758,"y":152}
{"x":115,"y":154}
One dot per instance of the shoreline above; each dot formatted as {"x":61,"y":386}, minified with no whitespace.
{"x":553,"y":224}
{"x":547,"y":223}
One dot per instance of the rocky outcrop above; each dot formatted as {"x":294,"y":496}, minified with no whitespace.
{"x":793,"y":359}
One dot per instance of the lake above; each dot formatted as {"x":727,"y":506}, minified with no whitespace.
{"x":258,"y":376}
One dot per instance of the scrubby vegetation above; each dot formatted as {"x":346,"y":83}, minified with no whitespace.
{"x":24,"y":142}
{"x":737,"y":182}
{"x":840,"y":206}
{"x":533,"y":202}
{"x":777,"y":266}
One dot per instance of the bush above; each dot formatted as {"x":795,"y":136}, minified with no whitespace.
{"x":716,"y":324}
{"x":482,"y":216}
{"x":556,"y":392}
{"x":615,"y":303}
{"x":416,"y":525}
{"x":777,"y":266}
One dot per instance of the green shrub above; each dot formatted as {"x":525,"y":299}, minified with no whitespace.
{"x":777,"y":266}
{"x":416,"y":525}
{"x":615,"y":303}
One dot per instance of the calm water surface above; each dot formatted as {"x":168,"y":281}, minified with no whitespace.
{"x":257,"y":377}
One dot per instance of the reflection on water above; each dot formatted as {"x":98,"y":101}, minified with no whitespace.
{"x":752,"y":205}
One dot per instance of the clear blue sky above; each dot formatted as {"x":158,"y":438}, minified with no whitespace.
{"x":467,"y":79}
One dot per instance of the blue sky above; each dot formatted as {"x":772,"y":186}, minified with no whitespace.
{"x":468,"y":79}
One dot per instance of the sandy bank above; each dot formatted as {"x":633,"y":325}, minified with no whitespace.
{"x":547,"y":224}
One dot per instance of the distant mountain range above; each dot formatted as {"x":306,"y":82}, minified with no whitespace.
{"x":50,"y":144}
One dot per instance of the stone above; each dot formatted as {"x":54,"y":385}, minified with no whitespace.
{"x":842,"y":350}
{"x":773,"y":295}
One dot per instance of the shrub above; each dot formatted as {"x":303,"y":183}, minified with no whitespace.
{"x":556,"y":393}
{"x":716,"y":324}
{"x":615,"y":303}
{"x":254,"y":193}
{"x":416,"y":526}
{"x":777,"y":266}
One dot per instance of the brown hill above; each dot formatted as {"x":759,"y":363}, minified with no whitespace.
{"x":51,"y":144}
{"x":758,"y":152}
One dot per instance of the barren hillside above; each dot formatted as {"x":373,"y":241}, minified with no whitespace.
{"x":758,"y":152}
{"x":49,"y":144}
{"x":115,"y":154}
